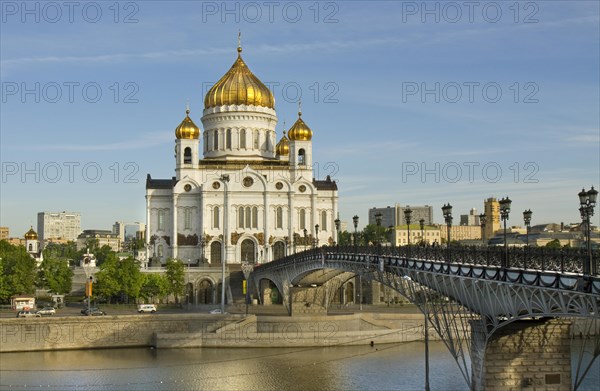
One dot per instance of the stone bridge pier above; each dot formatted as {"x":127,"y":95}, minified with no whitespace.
{"x":525,"y":355}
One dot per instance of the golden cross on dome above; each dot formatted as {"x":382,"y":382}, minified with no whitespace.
{"x":239,"y":41}
{"x":299,"y":107}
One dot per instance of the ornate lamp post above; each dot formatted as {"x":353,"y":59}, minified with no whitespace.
{"x":422,"y":224}
{"x":355,"y":221}
{"x":587,"y":201}
{"x":337,"y":231}
{"x":408,"y":218}
{"x":447,"y":212}
{"x":504,"y":212}
{"x":316,"y":235}
{"x":482,"y":221}
{"x":247,"y":269}
{"x":527,"y":218}
{"x":225,"y":179}
{"x":378,"y":217}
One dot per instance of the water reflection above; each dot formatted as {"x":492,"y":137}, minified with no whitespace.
{"x":389,"y":367}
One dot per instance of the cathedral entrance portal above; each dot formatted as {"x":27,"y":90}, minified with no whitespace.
{"x":248,"y":251}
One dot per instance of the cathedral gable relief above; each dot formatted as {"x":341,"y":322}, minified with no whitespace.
{"x":235,"y":236}
{"x":261,"y":238}
{"x":187,"y":240}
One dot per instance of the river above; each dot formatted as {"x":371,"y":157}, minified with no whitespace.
{"x":383,"y":367}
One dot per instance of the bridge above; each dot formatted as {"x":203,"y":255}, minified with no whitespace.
{"x":474,"y":297}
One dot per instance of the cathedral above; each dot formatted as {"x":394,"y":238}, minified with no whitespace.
{"x":251,"y":196}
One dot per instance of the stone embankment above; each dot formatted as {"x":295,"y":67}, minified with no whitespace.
{"x":196,"y":330}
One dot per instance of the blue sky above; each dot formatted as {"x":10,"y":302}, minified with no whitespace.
{"x":410,"y":102}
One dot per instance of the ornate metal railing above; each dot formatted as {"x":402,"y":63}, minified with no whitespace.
{"x":565,"y":260}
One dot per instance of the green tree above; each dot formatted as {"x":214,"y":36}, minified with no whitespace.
{"x":107,"y":279}
{"x":19,"y":269}
{"x":130,"y":277}
{"x":4,"y":288}
{"x":373,"y":234}
{"x":345,"y":238}
{"x":553,"y":243}
{"x":175,"y":278}
{"x":55,"y":274}
{"x":153,"y":285}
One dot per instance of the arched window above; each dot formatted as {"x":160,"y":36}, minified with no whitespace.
{"x":323,"y":221}
{"x":241,"y":217}
{"x":301,"y":157}
{"x":256,"y":139}
{"x":278,"y":250}
{"x":187,"y":218}
{"x":216,"y":140}
{"x":255,"y":217}
{"x":279,"y":217}
{"x":302,"y":219}
{"x":30,"y":247}
{"x":216,"y":217}
{"x":248,"y":251}
{"x":187,"y":155}
{"x":248,"y":217}
{"x":215,"y":253}
{"x":243,"y":138}
{"x":160,"y":250}
{"x":161,"y":220}
{"x":228,"y":139}
{"x":205,"y":147}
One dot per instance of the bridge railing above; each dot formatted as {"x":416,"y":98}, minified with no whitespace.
{"x":565,"y":260}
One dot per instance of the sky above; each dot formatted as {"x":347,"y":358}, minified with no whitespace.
{"x":417,"y":103}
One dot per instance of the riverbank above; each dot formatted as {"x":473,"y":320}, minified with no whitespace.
{"x":196,"y":330}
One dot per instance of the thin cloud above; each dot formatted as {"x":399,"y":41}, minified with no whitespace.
{"x":150,"y":140}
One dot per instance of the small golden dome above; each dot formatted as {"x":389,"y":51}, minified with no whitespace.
{"x":283,"y":146}
{"x":31,"y":235}
{"x":187,"y":129}
{"x":239,"y":86}
{"x":300,"y":131}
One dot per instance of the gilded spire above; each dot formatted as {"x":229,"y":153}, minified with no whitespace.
{"x":239,"y":86}
{"x":239,"y":48}
{"x":187,"y":129}
{"x":299,"y":108}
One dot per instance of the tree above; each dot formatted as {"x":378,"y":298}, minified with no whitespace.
{"x":107,"y":279}
{"x":19,"y":269}
{"x":175,"y":277}
{"x":345,"y":238}
{"x":553,"y":243}
{"x":4,"y":288}
{"x":130,"y":277}
{"x":55,"y":274}
{"x":153,"y":285}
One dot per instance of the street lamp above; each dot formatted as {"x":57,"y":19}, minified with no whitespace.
{"x":504,"y":211}
{"x":225,"y":179}
{"x":305,"y":238}
{"x":587,"y":201}
{"x":527,"y":218}
{"x":422,"y":224}
{"x":316,"y":235}
{"x":378,"y":217}
{"x":355,"y":221}
{"x":337,"y":231}
{"x":482,"y":221}
{"x":408,"y":218}
{"x":247,"y":269}
{"x":447,"y":212}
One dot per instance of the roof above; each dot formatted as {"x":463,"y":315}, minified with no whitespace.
{"x":160,"y":183}
{"x":327,"y":184}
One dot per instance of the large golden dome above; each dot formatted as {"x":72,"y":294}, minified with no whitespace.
{"x":239,"y":86}
{"x":300,"y":131}
{"x":187,"y":129}
{"x":283,"y":146}
{"x":31,"y":235}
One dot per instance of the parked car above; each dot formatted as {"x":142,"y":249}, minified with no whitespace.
{"x":93,"y":312}
{"x":47,"y":311}
{"x":28,"y":314}
{"x":216,"y":311}
{"x":146,"y":308}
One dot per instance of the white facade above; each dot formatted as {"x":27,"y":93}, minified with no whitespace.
{"x":247,"y":199}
